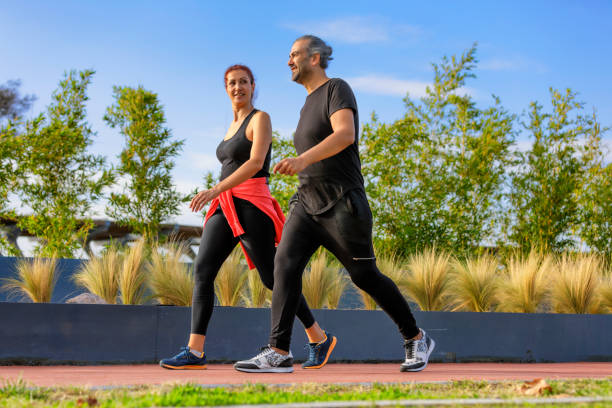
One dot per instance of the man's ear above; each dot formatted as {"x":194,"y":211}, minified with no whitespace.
{"x":315,"y":59}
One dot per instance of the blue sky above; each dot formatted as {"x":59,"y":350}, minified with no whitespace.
{"x":180,"y":50}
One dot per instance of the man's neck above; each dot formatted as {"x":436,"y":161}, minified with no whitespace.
{"x":317,"y":79}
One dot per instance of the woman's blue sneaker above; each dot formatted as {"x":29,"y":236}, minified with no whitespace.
{"x":319,"y":352}
{"x":185,"y":360}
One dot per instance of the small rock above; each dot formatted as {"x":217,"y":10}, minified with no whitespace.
{"x":87,"y":299}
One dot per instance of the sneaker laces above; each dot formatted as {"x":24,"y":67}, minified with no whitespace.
{"x":411,"y":348}
{"x":263,"y":351}
{"x":312,"y":350}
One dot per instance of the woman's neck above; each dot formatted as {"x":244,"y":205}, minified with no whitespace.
{"x":241,"y":112}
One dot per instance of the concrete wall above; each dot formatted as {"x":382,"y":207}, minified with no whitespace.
{"x":94,"y":334}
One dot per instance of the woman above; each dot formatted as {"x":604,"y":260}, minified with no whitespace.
{"x":242,"y":211}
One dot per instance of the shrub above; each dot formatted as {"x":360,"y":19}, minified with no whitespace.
{"x":522,"y":289}
{"x":170,"y":280}
{"x":100,"y":275}
{"x":576,"y":283}
{"x":35,"y":279}
{"x":474,"y":284}
{"x":230,"y":280}
{"x":427,"y":280}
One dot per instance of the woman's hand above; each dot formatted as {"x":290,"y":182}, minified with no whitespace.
{"x":199,"y":201}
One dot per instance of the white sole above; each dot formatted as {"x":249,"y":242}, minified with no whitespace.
{"x":266,"y":370}
{"x":432,"y":346}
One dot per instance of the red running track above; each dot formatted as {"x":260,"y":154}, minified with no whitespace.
{"x":223,"y":374}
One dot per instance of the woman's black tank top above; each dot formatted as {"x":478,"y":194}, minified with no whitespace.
{"x":232,"y":153}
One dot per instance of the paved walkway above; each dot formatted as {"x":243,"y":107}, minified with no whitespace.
{"x":223,"y":374}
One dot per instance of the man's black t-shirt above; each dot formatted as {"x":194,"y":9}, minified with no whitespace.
{"x":323,"y":183}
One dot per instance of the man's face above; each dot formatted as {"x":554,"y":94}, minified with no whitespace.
{"x":299,"y":61}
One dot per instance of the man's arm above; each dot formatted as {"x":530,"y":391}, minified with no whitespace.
{"x":343,"y":135}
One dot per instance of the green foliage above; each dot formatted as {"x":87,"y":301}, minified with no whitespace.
{"x":282,"y":186}
{"x":548,"y":179}
{"x":61,"y":181}
{"x":10,"y":148}
{"x":434,"y":177}
{"x":596,"y":209}
{"x":146,"y":162}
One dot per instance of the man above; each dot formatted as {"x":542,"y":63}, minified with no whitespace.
{"x":331,"y":209}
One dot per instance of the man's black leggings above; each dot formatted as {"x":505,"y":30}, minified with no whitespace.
{"x":215,"y":246}
{"x":346,"y":231}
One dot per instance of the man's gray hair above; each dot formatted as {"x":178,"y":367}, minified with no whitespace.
{"x":318,"y":46}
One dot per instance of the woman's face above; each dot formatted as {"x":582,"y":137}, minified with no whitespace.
{"x":239,"y":87}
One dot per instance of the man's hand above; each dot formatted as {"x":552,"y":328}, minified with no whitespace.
{"x":199,"y":201}
{"x":290,"y":166}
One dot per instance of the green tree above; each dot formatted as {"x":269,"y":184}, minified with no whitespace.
{"x":149,"y":196}
{"x":12,"y":104}
{"x":10,"y":146}
{"x":435,"y":176}
{"x":61,"y":180}
{"x":546,"y":186}
{"x":282,"y":187}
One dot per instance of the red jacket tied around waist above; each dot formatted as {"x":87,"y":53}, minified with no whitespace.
{"x":255,"y":191}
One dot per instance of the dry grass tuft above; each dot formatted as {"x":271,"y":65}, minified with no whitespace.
{"x":170,"y":280}
{"x":35,"y":279}
{"x":318,"y":280}
{"x":230,"y":280}
{"x":338,"y":285}
{"x":100,"y":275}
{"x":523,"y":287}
{"x":133,"y":274}
{"x":605,"y":292}
{"x":576,"y":284}
{"x":474,"y":284}
{"x":256,"y":293}
{"x":427,"y":280}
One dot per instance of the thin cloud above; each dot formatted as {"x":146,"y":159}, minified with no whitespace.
{"x":203,"y":161}
{"x":356,"y":29}
{"x":513,"y":64}
{"x":385,"y":85}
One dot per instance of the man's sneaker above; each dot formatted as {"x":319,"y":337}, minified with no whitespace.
{"x":267,"y":361}
{"x":185,"y":360}
{"x":417,"y":353}
{"x":318,"y":353}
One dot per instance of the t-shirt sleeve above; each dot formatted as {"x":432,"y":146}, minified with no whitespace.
{"x":341,"y":97}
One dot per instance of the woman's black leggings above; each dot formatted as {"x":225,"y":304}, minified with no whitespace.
{"x":215,"y":246}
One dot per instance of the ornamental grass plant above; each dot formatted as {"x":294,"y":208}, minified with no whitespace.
{"x":474,"y":284}
{"x":605,"y":293}
{"x":523,"y":287}
{"x":427,"y":280}
{"x":318,"y":280}
{"x":576,"y":283}
{"x":169,"y":278}
{"x":100,"y":275}
{"x":132,"y":277}
{"x":230,"y":280}
{"x":35,"y":279}
{"x":340,"y":281}
{"x":255,"y":294}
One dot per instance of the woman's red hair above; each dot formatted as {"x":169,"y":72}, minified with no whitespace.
{"x":237,"y":67}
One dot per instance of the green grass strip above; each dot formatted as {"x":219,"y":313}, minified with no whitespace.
{"x":20,"y":394}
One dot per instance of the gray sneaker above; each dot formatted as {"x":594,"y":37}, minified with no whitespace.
{"x":417,"y":353}
{"x":267,"y":361}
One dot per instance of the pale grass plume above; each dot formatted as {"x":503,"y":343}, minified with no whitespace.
{"x":230,"y":279}
{"x":35,"y":279}
{"x":133,"y":276}
{"x":605,"y":292}
{"x":317,"y":280}
{"x":368,"y":302}
{"x":100,"y":275}
{"x":474,"y":284}
{"x":256,"y":293}
{"x":576,"y":284}
{"x":170,"y":279}
{"x":338,"y":285}
{"x":427,"y":280}
{"x":524,"y":285}
{"x":393,"y":266}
